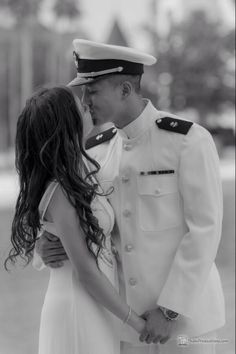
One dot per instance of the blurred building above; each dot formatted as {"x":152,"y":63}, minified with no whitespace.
{"x":30,"y":57}
{"x":117,"y":35}
{"x":216,"y":10}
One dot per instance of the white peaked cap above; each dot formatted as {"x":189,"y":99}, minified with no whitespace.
{"x":94,"y":60}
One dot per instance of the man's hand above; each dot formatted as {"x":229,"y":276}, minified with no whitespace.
{"x":50,"y":249}
{"x":157,"y":329}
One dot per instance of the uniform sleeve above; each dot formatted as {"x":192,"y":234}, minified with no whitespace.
{"x":201,"y":192}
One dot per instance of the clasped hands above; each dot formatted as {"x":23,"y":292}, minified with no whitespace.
{"x":157,"y":327}
{"x":50,"y":249}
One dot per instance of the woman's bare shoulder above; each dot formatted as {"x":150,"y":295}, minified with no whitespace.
{"x":59,"y":205}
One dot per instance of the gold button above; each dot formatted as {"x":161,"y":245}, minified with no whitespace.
{"x":129,"y":248}
{"x":132,"y":281}
{"x":126,"y":213}
{"x":125,"y":179}
{"x":157,"y":191}
{"x":127,"y":147}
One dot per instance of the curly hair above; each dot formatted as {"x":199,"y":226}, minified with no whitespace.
{"x":49,"y":146}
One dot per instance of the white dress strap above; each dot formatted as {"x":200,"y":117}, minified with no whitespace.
{"x":43,"y":205}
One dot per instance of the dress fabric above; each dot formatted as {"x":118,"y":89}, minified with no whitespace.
{"x":72,"y":322}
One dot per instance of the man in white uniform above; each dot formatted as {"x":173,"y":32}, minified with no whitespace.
{"x":167,"y":200}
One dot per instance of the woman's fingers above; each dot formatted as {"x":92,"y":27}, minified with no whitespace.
{"x":157,"y":339}
{"x":164,"y":340}
{"x":56,"y":264}
{"x":143,"y":336}
{"x":150,"y":338}
{"x":50,"y":249}
{"x":49,"y":258}
{"x":50,"y":237}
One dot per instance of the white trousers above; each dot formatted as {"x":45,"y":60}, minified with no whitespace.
{"x":128,"y":348}
{"x":201,"y":345}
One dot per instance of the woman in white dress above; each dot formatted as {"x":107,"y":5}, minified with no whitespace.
{"x":58,"y":193}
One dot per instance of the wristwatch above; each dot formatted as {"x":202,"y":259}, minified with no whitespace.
{"x":169,"y":314}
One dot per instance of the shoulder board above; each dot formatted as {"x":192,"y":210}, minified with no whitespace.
{"x":100,"y":138}
{"x":174,"y":125}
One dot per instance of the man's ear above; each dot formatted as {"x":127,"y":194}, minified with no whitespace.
{"x":126,"y":89}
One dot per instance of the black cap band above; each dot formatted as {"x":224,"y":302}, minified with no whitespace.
{"x":92,"y":66}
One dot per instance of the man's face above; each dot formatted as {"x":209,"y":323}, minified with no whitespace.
{"x":104,"y":101}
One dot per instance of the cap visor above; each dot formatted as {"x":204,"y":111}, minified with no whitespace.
{"x":80,"y":81}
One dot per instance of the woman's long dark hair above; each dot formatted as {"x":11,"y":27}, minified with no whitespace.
{"x":49,"y":146}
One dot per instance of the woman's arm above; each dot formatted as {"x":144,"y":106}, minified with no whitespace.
{"x":62,"y":213}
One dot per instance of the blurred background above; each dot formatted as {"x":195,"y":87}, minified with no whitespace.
{"x":194,"y":41}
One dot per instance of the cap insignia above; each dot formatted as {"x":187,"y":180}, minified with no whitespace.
{"x":174,"y":124}
{"x":99,"y":136}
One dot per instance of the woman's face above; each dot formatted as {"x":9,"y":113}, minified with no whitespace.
{"x":85,"y":114}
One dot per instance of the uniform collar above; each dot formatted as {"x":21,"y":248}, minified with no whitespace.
{"x":142,"y":122}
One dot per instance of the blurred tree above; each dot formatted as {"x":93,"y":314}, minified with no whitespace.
{"x":66,"y":8}
{"x":197,"y":64}
{"x":22,"y":10}
{"x":193,"y":68}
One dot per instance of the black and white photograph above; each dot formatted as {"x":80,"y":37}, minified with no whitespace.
{"x":117,"y":177}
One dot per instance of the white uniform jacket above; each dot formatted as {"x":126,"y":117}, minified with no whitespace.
{"x":167,"y":200}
